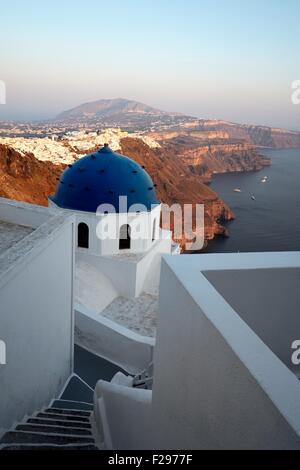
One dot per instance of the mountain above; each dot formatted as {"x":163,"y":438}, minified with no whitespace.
{"x":105,"y":108}
{"x":119,"y":112}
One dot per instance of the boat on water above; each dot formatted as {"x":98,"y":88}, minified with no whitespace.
{"x":253,"y":197}
{"x":264,"y":179}
{"x":237,"y":190}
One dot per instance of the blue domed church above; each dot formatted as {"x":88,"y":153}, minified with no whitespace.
{"x":118,"y":233}
{"x":101,"y":178}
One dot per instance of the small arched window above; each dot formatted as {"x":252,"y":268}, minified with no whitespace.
{"x":124,"y":241}
{"x":83,"y":235}
{"x":153,"y":230}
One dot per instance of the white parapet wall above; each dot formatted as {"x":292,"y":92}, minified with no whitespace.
{"x":36,"y":311}
{"x":125,"y":415}
{"x":131,"y":273}
{"x":230,"y":391}
{"x":22,"y":213}
{"x":111,"y":341}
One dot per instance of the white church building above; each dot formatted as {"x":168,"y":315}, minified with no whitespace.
{"x":200,"y":345}
{"x":117,"y":220}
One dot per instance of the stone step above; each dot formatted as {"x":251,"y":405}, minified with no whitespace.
{"x":50,"y":447}
{"x":56,"y":416}
{"x":56,"y":422}
{"x":22,"y":437}
{"x":72,"y":405}
{"x":53,"y":429}
{"x":63,"y":411}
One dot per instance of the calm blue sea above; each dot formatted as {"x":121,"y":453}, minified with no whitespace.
{"x":271,"y":222}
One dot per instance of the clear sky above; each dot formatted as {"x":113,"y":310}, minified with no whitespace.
{"x":229,"y":59}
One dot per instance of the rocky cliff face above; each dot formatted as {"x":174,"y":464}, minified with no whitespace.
{"x":184,"y":132}
{"x":24,"y":178}
{"x":176,"y":183}
{"x":257,"y":135}
{"x":180,"y":170}
{"x":206,"y":160}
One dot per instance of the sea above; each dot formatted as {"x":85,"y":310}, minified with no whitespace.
{"x":267,"y":214}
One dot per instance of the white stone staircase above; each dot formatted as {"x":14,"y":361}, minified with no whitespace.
{"x":65,"y":424}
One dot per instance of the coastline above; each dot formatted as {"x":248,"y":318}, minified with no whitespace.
{"x":270,"y":222}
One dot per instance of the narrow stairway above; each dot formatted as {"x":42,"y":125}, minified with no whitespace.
{"x":65,"y":425}
{"x":67,"y":422}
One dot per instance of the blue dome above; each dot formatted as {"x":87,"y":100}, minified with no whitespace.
{"x":100,"y":178}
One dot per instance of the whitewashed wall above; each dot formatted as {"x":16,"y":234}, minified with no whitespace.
{"x":130,"y":275}
{"x":21,"y":213}
{"x":133,"y":406}
{"x":273,"y":312}
{"x":115,"y":343}
{"x":148,"y":269}
{"x":216,"y":384}
{"x":121,"y":272}
{"x":110,"y":245}
{"x":36,"y":319}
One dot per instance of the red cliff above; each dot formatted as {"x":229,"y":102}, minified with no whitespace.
{"x":24,"y":178}
{"x":176,"y":183}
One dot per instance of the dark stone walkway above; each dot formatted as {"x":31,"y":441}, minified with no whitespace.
{"x":92,"y":368}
